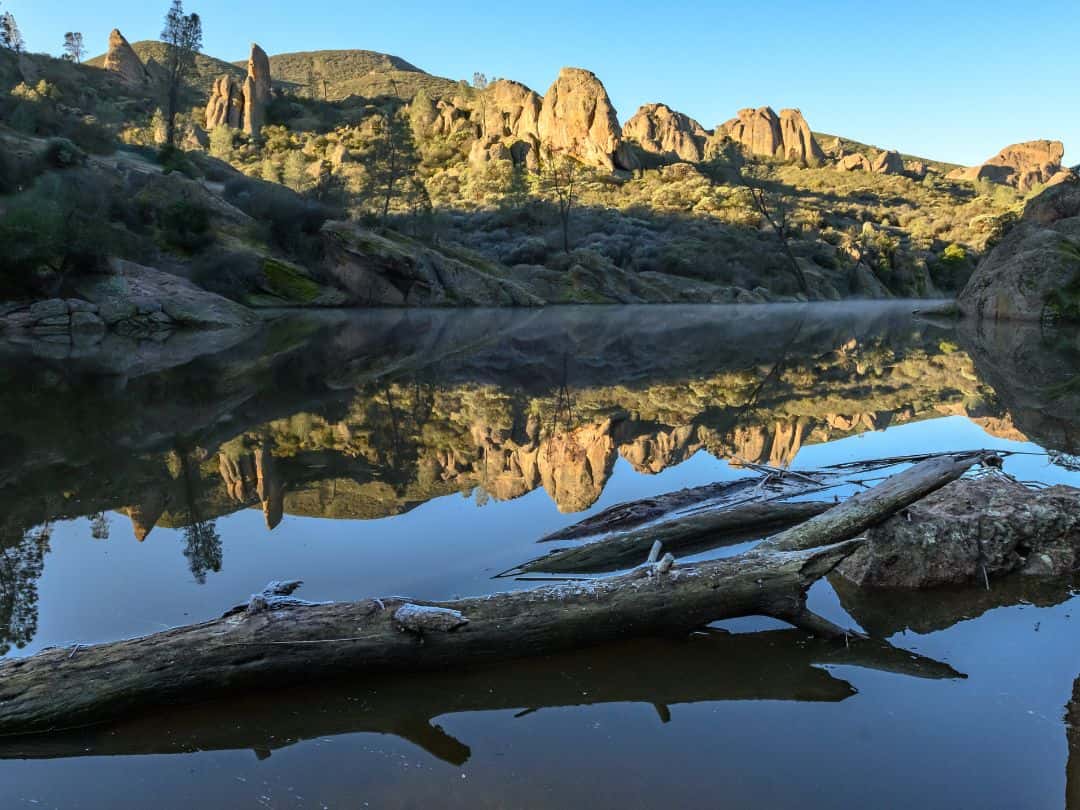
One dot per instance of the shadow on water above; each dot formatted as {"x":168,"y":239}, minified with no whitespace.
{"x":713,"y":665}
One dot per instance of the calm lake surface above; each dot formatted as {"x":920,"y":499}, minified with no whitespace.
{"x":420,"y":453}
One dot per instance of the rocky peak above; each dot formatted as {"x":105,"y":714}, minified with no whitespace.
{"x":578,"y":119}
{"x":662,"y":131}
{"x":1021,"y":165}
{"x":242,"y":105}
{"x":123,"y":61}
{"x":762,"y":132}
{"x":511,"y":110}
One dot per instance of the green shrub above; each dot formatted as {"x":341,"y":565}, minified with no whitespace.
{"x":60,"y":153}
{"x":172,"y":159}
{"x":186,"y":226}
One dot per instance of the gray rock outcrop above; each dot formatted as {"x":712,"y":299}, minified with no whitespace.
{"x":1033,"y":273}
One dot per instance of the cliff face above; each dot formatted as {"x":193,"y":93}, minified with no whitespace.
{"x":661,"y":131}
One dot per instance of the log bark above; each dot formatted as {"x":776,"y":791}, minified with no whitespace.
{"x":709,"y":666}
{"x":632,"y":514}
{"x":277,"y":639}
{"x":697,"y":532}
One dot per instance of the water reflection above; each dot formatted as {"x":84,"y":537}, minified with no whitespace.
{"x":712,"y":665}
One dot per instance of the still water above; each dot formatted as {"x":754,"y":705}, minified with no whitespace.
{"x":421,"y":453}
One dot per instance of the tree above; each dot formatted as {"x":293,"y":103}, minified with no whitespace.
{"x":729,"y":161}
{"x":10,"y":35}
{"x":479,"y":80}
{"x":182,"y":36}
{"x":73,"y":47}
{"x":392,"y":160}
{"x":560,"y":175}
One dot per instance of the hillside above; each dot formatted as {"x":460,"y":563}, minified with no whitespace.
{"x":207,"y":68}
{"x":336,"y":75}
{"x":870,"y":151}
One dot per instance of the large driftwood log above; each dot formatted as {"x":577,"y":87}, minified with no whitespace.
{"x":710,"y":666}
{"x":277,"y":639}
{"x":696,"y":532}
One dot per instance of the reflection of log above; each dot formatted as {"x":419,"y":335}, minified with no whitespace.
{"x":276,"y":639}
{"x":710,"y":666}
{"x":696,"y":532}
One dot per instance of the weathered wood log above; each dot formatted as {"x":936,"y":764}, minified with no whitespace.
{"x":274,"y":640}
{"x":277,"y":639}
{"x":632,"y":514}
{"x":696,"y":532}
{"x":709,"y":666}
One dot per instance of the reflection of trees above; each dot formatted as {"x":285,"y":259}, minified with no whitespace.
{"x":202,"y":543}
{"x":21,"y":565}
{"x":202,"y":547}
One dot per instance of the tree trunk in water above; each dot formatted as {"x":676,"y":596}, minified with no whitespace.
{"x":696,"y":532}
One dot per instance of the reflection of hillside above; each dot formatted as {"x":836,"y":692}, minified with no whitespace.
{"x":384,"y":412}
{"x":1035,"y":371}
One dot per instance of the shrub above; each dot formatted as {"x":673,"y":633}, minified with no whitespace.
{"x":60,"y":153}
{"x":186,"y":226}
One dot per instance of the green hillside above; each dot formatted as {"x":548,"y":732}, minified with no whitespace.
{"x":336,"y":75}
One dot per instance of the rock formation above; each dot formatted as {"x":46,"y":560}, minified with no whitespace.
{"x":762,"y":132}
{"x":855,"y":163}
{"x":242,"y":105}
{"x":662,"y":131}
{"x":510,"y":110}
{"x":1021,"y":165}
{"x":1034,"y":272}
{"x":888,"y":162}
{"x":577,"y":119}
{"x":123,"y":61}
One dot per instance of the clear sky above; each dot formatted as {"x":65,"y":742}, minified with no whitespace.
{"x":952,"y":79}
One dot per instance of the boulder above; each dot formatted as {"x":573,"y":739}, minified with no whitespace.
{"x":133,"y":299}
{"x":1021,"y":165}
{"x":762,"y":132}
{"x":122,"y":60}
{"x":855,"y":163}
{"x":578,"y":120}
{"x":888,"y":162}
{"x":915,"y":169}
{"x":660,"y":130}
{"x":1033,"y":273}
{"x":968,"y":531}
{"x":482,"y":152}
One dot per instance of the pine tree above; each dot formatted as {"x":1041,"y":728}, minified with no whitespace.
{"x":182,"y":36}
{"x":10,"y":36}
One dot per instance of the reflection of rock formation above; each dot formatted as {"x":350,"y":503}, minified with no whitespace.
{"x":252,"y":474}
{"x":145,"y":515}
{"x":1035,"y":372}
{"x":1072,"y":734}
{"x":389,"y":410}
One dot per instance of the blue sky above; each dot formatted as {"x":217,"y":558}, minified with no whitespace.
{"x":952,"y":79}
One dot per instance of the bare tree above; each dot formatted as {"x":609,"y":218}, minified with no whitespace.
{"x":730,"y":163}
{"x":182,"y":36}
{"x":560,"y":175}
{"x":73,"y":47}
{"x":479,"y":80}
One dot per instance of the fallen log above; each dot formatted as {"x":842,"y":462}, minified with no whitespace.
{"x":277,"y":639}
{"x":696,"y":532}
{"x":710,"y":666}
{"x":632,"y":514}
